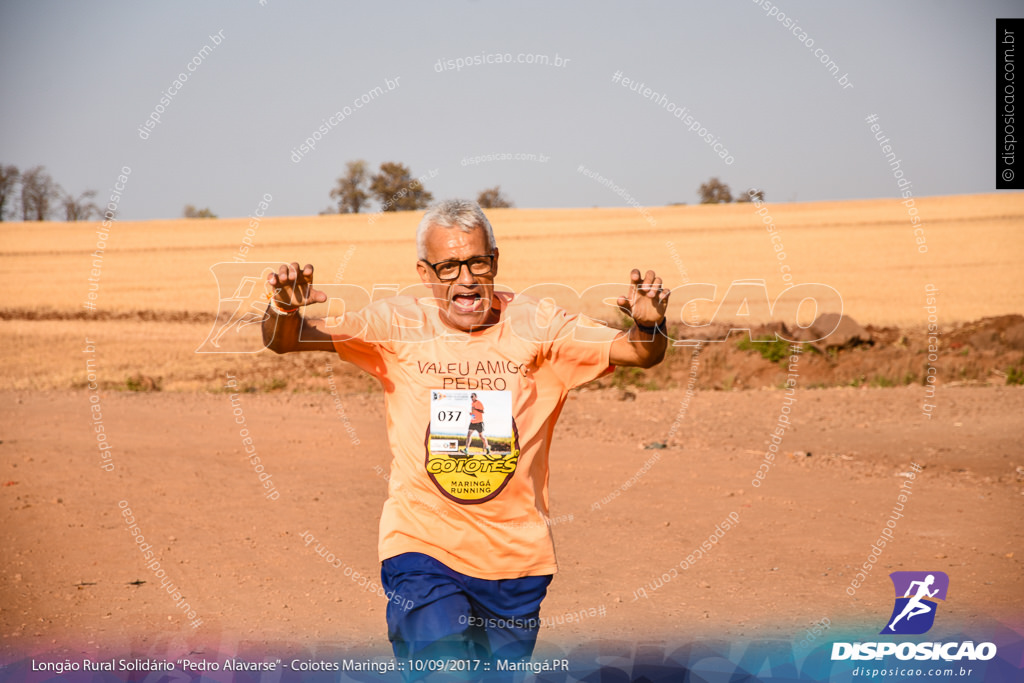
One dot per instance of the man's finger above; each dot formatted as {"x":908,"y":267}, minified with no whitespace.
{"x":650,"y":285}
{"x":634,"y":280}
{"x":286,"y":277}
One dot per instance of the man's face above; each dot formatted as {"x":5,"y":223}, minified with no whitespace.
{"x":465,"y":301}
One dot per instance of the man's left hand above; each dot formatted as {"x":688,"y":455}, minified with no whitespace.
{"x":646,"y":300}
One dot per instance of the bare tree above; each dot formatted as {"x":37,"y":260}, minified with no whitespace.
{"x":351,"y":193}
{"x":80,"y":208}
{"x":8,"y":180}
{"x":714,"y":191}
{"x":193,"y":212}
{"x":38,"y":193}
{"x":397,"y":190}
{"x":492,"y":198}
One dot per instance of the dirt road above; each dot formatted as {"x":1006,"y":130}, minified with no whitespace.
{"x":623,"y":515}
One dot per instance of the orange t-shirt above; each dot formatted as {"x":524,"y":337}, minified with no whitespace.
{"x":476,"y":412}
{"x":482,"y":514}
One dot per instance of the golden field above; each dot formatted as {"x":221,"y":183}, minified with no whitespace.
{"x":865,"y":250}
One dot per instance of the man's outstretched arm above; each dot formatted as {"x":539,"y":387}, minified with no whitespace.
{"x":646,"y":302}
{"x":284,"y":328}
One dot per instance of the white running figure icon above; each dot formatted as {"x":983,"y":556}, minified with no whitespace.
{"x":916,"y":606}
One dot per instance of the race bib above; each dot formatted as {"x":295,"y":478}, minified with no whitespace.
{"x":472,"y":443}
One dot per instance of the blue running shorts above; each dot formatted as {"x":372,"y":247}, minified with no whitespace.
{"x":454,"y":616}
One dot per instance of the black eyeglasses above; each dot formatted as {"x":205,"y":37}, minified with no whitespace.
{"x":449,"y":270}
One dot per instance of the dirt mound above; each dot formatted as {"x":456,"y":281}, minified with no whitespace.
{"x":999,"y":333}
{"x":149,"y":351}
{"x":989,"y":351}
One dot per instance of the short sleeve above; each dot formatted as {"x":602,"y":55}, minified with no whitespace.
{"x":578,"y":349}
{"x":362,"y":337}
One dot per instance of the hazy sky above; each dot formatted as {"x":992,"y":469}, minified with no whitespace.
{"x":79,"y":79}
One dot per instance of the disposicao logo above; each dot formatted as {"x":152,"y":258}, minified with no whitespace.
{"x":917,"y":600}
{"x":917,"y":596}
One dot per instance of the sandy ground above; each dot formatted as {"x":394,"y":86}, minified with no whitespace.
{"x":73,"y":581}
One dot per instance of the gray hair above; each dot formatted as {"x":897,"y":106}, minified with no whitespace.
{"x":452,"y":213}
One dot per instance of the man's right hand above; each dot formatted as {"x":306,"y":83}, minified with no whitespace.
{"x":284,"y":332}
{"x":294,"y":287}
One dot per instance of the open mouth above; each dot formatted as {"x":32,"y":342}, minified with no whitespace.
{"x":467,"y":302}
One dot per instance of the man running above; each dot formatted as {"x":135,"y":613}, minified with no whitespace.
{"x":465,"y":539}
{"x":476,"y":424}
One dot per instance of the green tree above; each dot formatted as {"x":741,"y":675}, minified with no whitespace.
{"x":397,"y":190}
{"x":492,"y":198}
{"x":192,"y":212}
{"x":750,"y":195}
{"x":714,"y":191}
{"x":350,"y":192}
